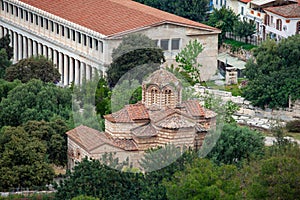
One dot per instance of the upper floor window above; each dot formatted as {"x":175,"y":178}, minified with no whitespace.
{"x":36,"y":19}
{"x":96,"y":44}
{"x":91,"y":42}
{"x":279,"y":24}
{"x":79,"y":37}
{"x":164,"y":44}
{"x":52,"y":26}
{"x":11,"y":7}
{"x":242,"y":10}
{"x":84,"y":40}
{"x":17,"y":11}
{"x":154,"y":96}
{"x":62,"y":30}
{"x":46,"y":24}
{"x":168,"y":95}
{"x":57,"y":28}
{"x":267,"y":20}
{"x":41,"y":21}
{"x":298,"y":28}
{"x":2,"y":5}
{"x":68,"y":32}
{"x":21,"y":13}
{"x":31,"y":18}
{"x":175,"y":44}
{"x":6,"y":6}
{"x":73,"y":35}
{"x":216,"y":2}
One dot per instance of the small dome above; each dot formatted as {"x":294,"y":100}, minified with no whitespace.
{"x":162,"y":78}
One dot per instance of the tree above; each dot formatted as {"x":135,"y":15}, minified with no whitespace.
{"x":244,"y":29}
{"x":4,"y":44}
{"x":236,"y":144}
{"x":134,"y":50}
{"x":22,"y":160}
{"x":223,"y":19}
{"x":187,"y":59}
{"x":33,"y":68}
{"x":6,"y":86}
{"x":195,"y":10}
{"x":35,"y":100}
{"x":274,"y":73}
{"x":202,"y":179}
{"x":4,"y":62}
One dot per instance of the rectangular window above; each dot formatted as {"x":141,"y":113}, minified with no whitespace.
{"x":26,"y":15}
{"x":101,"y":46}
{"x":79,"y":37}
{"x":91,"y":42}
{"x":216,"y":2}
{"x":242,"y":10}
{"x":62,"y":28}
{"x":68,"y":32}
{"x":36,"y":19}
{"x":73,"y":35}
{"x":96,"y":44}
{"x":42,"y":21}
{"x":46,"y":24}
{"x":175,"y":44}
{"x":52,"y":26}
{"x":31,"y":18}
{"x":2,"y":5}
{"x":57,"y":28}
{"x":17,"y":11}
{"x":6,"y":5}
{"x":84,"y":40}
{"x":164,"y":44}
{"x":21,"y":13}
{"x":221,"y":3}
{"x":11,"y":9}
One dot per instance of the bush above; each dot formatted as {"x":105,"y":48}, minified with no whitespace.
{"x":293,"y":126}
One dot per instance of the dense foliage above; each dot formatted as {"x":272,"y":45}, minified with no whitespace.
{"x":195,"y":10}
{"x":33,"y":68}
{"x":134,"y":51}
{"x":274,"y":73}
{"x":35,"y":100}
{"x":4,"y":44}
{"x":244,"y":29}
{"x":4,"y":63}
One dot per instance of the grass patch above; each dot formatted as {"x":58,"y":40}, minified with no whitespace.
{"x":296,"y":136}
{"x":239,"y":44}
{"x":234,"y":89}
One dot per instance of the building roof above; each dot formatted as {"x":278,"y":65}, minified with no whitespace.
{"x":89,"y":138}
{"x":262,"y":2}
{"x":175,"y":121}
{"x":144,"y":131}
{"x":287,"y":11}
{"x":194,"y":108}
{"x":245,"y":1}
{"x":129,"y":113}
{"x":110,"y":17}
{"x":162,"y":78}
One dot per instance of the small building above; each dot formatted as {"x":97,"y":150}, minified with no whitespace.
{"x":161,"y":118}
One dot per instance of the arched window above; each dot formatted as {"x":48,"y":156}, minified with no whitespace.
{"x":168,"y":95}
{"x":154,"y":96}
{"x":298,"y":28}
{"x":267,"y":20}
{"x":279,"y":24}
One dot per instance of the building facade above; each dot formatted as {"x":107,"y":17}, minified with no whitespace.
{"x":161,"y":118}
{"x":79,"y":36}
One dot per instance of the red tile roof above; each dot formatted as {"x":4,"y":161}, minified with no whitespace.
{"x":144,"y":131}
{"x":287,"y":11}
{"x":110,"y":17}
{"x":245,"y":1}
{"x":194,"y":108}
{"x":89,"y":138}
{"x":130,"y":113}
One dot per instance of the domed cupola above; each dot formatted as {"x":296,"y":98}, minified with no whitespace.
{"x":161,"y":89}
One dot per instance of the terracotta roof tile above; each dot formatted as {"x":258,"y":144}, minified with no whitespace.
{"x":110,"y":17}
{"x":194,"y":108}
{"x":245,"y":1}
{"x":88,"y":138}
{"x":144,"y":131}
{"x":287,"y":11}
{"x":175,"y":122}
{"x":128,"y":145}
{"x":128,"y":114}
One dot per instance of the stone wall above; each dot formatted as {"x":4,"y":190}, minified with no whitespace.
{"x":253,"y":116}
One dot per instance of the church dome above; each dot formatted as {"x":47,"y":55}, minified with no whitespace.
{"x":162,"y":78}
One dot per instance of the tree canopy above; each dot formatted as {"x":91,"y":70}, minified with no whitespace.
{"x":35,"y":100}
{"x":274,"y":73}
{"x":195,"y":10}
{"x":4,"y":44}
{"x":244,"y":29}
{"x":134,"y":50}
{"x":33,"y":68}
{"x":4,"y":62}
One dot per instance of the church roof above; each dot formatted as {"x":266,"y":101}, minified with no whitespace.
{"x":175,"y":122}
{"x":110,"y":17}
{"x":129,"y":113}
{"x":144,"y":131}
{"x":193,"y":108}
{"x":287,"y":11}
{"x":162,"y":78}
{"x":89,"y":138}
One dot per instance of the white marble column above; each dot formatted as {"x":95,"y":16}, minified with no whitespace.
{"x":88,"y":72}
{"x":60,"y":66}
{"x":66,"y":70}
{"x":20,"y":45}
{"x":29,"y":47}
{"x":50,"y":54}
{"x":77,"y":70}
{"x":15,"y":47}
{"x":25,"y":49}
{"x":55,"y":58}
{"x":34,"y":47}
{"x":1,"y":31}
{"x":82,"y":72}
{"x":45,"y":51}
{"x":40,"y":49}
{"x":71,"y":70}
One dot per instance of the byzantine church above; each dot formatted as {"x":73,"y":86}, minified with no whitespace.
{"x":161,"y":118}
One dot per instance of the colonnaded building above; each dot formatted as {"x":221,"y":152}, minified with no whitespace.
{"x":79,"y":35}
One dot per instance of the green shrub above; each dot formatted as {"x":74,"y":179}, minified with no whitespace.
{"x":293,"y":126}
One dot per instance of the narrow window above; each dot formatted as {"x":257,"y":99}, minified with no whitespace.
{"x":175,"y":44}
{"x":11,"y":9}
{"x":242,"y":10}
{"x":168,"y":94}
{"x":57,"y":28}
{"x":52,"y":26}
{"x":6,"y":6}
{"x":73,"y":35}
{"x":36,"y":20}
{"x":79,"y":37}
{"x":26,"y":15}
{"x":62,"y":29}
{"x":96,"y":44}
{"x":21,"y":13}
{"x":2,"y":5}
{"x":42,"y":21}
{"x":267,"y":20}
{"x":46,"y":24}
{"x":164,"y":44}
{"x":154,"y":98}
{"x":17,"y":11}
{"x":101,"y":46}
{"x":91,"y":42}
{"x":31,"y":18}
{"x":68,"y":32}
{"x":279,"y":24}
{"x":84,"y":40}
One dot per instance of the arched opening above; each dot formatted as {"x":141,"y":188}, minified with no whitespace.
{"x":154,"y":96}
{"x":168,"y":96}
